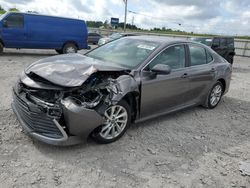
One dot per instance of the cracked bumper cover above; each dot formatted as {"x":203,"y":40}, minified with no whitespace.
{"x":80,"y":122}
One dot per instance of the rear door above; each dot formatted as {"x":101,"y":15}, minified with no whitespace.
{"x":200,"y":74}
{"x":14,"y":32}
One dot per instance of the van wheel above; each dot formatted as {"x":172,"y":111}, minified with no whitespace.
{"x":59,"y":51}
{"x":1,"y":48}
{"x":69,"y":48}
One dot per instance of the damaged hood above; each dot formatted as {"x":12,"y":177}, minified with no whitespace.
{"x":70,"y":70}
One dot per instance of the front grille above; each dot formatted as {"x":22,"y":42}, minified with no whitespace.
{"x":38,"y":122}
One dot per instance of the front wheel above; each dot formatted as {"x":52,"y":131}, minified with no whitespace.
{"x":118,"y":119}
{"x":215,"y":95}
{"x":69,"y":48}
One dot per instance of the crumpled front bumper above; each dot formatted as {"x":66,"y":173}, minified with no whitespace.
{"x":79,"y":122}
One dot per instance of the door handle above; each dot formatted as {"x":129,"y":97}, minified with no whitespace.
{"x":185,"y":75}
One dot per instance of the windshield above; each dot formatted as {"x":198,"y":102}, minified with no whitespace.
{"x":206,"y":41}
{"x":126,"y":52}
{"x":2,"y":16}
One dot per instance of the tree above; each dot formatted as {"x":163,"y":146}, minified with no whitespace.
{"x":13,"y":10}
{"x":2,"y":11}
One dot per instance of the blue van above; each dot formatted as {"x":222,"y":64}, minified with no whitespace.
{"x":33,"y":31}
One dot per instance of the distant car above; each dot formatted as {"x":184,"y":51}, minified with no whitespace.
{"x":34,"y":31}
{"x":114,"y":36}
{"x":64,"y":99}
{"x":224,"y":46}
{"x":93,"y":38}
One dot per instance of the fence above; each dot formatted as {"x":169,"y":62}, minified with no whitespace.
{"x":242,"y":47}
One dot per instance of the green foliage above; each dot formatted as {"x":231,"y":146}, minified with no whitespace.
{"x":13,"y":10}
{"x":2,"y":11}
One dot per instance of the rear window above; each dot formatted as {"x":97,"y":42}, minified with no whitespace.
{"x":209,"y":57}
{"x":198,"y":55}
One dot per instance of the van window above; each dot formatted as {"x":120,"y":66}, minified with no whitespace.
{"x":15,"y":21}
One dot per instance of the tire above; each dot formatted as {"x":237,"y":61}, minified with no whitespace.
{"x":215,"y":95}
{"x":114,"y":128}
{"x":59,"y":51}
{"x":69,"y":48}
{"x":1,"y":48}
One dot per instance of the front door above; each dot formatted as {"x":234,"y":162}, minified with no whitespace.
{"x":13,"y":31}
{"x":161,"y":93}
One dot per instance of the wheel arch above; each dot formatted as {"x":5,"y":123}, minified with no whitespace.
{"x":223,"y":82}
{"x":71,"y":41}
{"x":132,"y":98}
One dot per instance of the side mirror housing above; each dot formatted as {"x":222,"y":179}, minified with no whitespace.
{"x":161,"y":69}
{"x":5,"y":23}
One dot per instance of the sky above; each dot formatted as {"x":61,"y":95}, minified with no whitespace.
{"x":228,"y":17}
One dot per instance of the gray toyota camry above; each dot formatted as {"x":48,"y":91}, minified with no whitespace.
{"x":64,"y":99}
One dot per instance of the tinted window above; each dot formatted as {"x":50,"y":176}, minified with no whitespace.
{"x":216,"y":42}
{"x":15,"y":21}
{"x":209,"y":57}
{"x":173,"y":56}
{"x":197,"y":55}
{"x":223,"y":42}
{"x":230,"y":42}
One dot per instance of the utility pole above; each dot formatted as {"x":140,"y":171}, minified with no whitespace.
{"x":125,"y":15}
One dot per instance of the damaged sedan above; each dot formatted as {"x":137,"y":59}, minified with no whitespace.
{"x":65,"y":99}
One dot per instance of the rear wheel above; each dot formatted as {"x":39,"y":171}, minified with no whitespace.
{"x":69,"y":48}
{"x":215,"y":95}
{"x":118,"y":119}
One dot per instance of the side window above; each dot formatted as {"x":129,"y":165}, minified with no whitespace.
{"x":230,"y":42}
{"x":15,"y":21}
{"x":209,"y":57}
{"x":173,"y":56}
{"x":223,"y":42}
{"x":216,"y":42}
{"x":197,"y":55}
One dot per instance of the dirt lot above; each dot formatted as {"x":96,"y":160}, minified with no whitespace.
{"x":192,"y":148}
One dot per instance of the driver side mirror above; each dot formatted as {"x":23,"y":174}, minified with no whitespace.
{"x":5,"y":23}
{"x":161,"y":69}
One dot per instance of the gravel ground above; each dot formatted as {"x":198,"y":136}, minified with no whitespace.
{"x":191,"y":148}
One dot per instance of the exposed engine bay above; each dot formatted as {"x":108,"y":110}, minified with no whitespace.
{"x":98,"y":89}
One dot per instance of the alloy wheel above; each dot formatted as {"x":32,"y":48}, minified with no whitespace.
{"x":116,"y":120}
{"x":215,"y":95}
